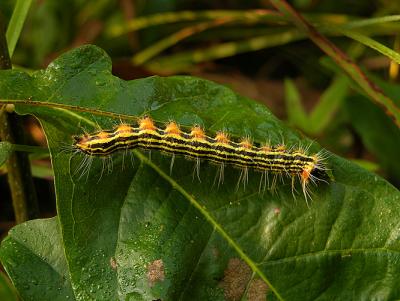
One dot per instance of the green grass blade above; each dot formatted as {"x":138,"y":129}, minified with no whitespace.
{"x":186,"y":16}
{"x":153,"y":50}
{"x":294,"y":107}
{"x":328,"y":104}
{"x":373,"y":21}
{"x":367,"y":41}
{"x":16,"y":23}
{"x":183,"y":60}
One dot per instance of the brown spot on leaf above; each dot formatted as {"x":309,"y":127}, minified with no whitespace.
{"x":113,"y":263}
{"x":155,"y":272}
{"x":236,"y":276}
{"x":257,"y":290}
{"x":215,"y":252}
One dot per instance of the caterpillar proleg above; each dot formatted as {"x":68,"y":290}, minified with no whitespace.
{"x":196,"y":145}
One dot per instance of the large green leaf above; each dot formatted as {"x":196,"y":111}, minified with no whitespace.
{"x":33,"y":257}
{"x":139,"y":233}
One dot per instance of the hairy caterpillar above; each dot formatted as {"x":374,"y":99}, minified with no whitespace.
{"x":198,"y":146}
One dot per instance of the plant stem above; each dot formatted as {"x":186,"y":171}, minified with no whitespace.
{"x":19,"y":170}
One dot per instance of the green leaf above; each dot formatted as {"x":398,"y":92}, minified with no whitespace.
{"x":139,"y":233}
{"x":368,"y":165}
{"x":7,"y":292}
{"x":33,"y":256}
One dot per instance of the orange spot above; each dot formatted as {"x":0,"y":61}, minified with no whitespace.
{"x":103,"y":135}
{"x":266,"y":148}
{"x":246,"y":143}
{"x":172,"y":129}
{"x":197,"y":132}
{"x":222,"y":137}
{"x":124,"y":128}
{"x":146,"y":123}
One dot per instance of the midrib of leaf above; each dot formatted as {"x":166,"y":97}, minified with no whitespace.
{"x":210,"y":219}
{"x":67,"y":108}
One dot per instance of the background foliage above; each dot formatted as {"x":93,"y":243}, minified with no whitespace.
{"x":179,"y":239}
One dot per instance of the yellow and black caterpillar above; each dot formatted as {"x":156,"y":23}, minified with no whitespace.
{"x":198,"y":146}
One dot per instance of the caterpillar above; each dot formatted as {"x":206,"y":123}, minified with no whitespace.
{"x":196,"y":145}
